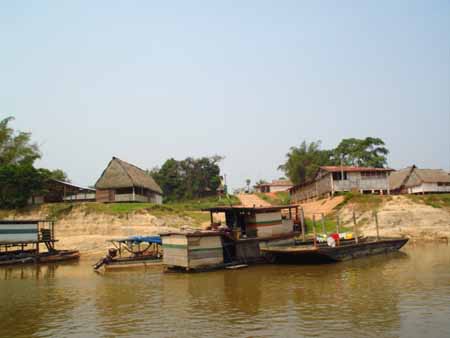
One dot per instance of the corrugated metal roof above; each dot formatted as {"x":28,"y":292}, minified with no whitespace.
{"x":353,"y":169}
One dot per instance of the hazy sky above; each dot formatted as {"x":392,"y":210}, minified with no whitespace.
{"x":150,"y":80}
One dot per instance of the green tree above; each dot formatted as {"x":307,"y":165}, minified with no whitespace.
{"x":59,"y":175}
{"x":303,"y":162}
{"x":189,"y":178}
{"x":18,"y":182}
{"x":16,"y":147}
{"x":368,"y":152}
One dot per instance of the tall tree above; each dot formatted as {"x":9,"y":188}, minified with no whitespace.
{"x":368,"y":152}
{"x":16,"y":147}
{"x":59,"y":175}
{"x":303,"y":162}
{"x":189,"y":178}
{"x":18,"y":182}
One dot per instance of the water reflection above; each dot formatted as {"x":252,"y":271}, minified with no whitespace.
{"x":394,"y":295}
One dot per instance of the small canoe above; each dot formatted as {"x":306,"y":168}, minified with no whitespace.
{"x":308,"y":253}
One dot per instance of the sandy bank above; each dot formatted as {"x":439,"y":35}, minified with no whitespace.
{"x":400,"y":216}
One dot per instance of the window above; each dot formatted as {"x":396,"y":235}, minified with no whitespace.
{"x":337,"y":176}
{"x":368,"y":175}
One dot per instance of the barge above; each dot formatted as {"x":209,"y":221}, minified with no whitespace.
{"x":314,"y":252}
{"x":30,"y":242}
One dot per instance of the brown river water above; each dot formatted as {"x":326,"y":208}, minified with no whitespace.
{"x":405,"y":294}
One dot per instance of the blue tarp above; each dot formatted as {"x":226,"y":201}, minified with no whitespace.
{"x":140,"y":239}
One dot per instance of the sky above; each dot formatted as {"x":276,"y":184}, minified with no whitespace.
{"x":150,"y":80}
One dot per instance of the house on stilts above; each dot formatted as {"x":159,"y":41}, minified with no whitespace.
{"x":124,"y":182}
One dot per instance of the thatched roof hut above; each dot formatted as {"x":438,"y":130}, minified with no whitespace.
{"x":414,"y":180}
{"x":124,"y":179}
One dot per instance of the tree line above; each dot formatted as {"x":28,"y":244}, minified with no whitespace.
{"x":19,"y":179}
{"x":302,"y":162}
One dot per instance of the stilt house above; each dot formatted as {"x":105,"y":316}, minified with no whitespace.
{"x":124,"y":182}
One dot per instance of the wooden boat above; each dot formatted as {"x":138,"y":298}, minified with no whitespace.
{"x":23,"y":241}
{"x":30,"y":257}
{"x":132,"y":252}
{"x":313,"y":252}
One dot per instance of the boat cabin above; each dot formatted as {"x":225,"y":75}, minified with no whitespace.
{"x":236,"y":241}
{"x":257,"y":222}
{"x":26,"y":235}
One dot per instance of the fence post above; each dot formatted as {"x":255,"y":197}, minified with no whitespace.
{"x":376,"y":224}
{"x":323,"y":223}
{"x":302,"y":223}
{"x":314,"y":232}
{"x":355,"y":227}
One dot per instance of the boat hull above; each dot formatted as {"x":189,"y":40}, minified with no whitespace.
{"x":49,"y":257}
{"x":322,"y":254}
{"x":129,"y":264}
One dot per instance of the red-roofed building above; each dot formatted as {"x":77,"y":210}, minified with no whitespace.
{"x":274,"y":186}
{"x":332,"y":179}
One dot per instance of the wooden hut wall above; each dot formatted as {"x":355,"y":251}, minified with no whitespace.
{"x":175,"y":250}
{"x":191,"y":252}
{"x":268,"y":224}
{"x":104,"y":195}
{"x":205,"y":251}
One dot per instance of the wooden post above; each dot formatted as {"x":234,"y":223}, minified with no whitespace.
{"x":211,"y":217}
{"x":302,"y":222}
{"x":375,"y":215}
{"x":355,"y":228}
{"x":323,"y":224}
{"x":314,"y":232}
{"x":337,"y":224}
{"x":314,"y":222}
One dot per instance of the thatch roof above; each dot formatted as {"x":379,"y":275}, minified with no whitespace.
{"x":413,"y":176}
{"x":120,"y":174}
{"x":433,"y":175}
{"x":398,"y":178}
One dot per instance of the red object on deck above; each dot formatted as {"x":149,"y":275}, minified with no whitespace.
{"x":335,"y":237}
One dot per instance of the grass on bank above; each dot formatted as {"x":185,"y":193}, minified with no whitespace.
{"x":363,"y":202}
{"x":277,"y":198}
{"x":187,"y":208}
{"x":433,"y":200}
{"x":330,"y":226}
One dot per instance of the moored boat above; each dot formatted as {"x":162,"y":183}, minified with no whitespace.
{"x":314,"y":252}
{"x":23,"y":241}
{"x":132,"y":252}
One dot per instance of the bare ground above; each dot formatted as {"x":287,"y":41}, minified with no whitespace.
{"x":399,"y":216}
{"x":90,"y":233}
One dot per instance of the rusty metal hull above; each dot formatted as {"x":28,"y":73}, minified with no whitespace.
{"x":308,"y":254}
